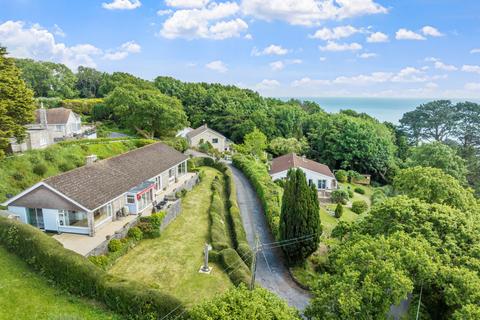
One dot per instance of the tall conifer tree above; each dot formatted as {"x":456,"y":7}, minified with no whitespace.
{"x":300,"y":218}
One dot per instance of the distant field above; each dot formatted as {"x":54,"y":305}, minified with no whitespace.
{"x":26,"y":295}
{"x":24,"y":170}
{"x":171,"y":262}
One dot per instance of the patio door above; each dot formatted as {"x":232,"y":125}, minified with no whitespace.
{"x":35,"y":217}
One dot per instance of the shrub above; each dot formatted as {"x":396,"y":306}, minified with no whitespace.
{"x":147,"y":229}
{"x":338,"y":210}
{"x":17,"y":176}
{"x":340,"y":196}
{"x":359,"y":190}
{"x":100,"y":261}
{"x":77,"y":275}
{"x":180,"y":144}
{"x":341,"y":175}
{"x":114,"y":245}
{"x":135,"y":233}
{"x":352,"y":175}
{"x":81,"y":106}
{"x":378,"y":196}
{"x":218,"y":225}
{"x":269,"y":193}
{"x":350,"y":193}
{"x":236,"y":268}
{"x":101,"y":112}
{"x":359,"y":206}
{"x":40,"y":169}
{"x":65,"y":166}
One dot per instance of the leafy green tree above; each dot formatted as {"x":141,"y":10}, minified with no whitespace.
{"x":289,"y":120}
{"x":280,"y":146}
{"x":338,"y":210}
{"x":467,"y":130}
{"x":434,"y":186}
{"x":17,"y":106}
{"x":255,"y":144}
{"x":88,"y":82}
{"x":48,"y":79}
{"x":149,"y":112}
{"x":241,"y":303}
{"x":438,"y":155}
{"x":435,"y":120}
{"x":300,"y":217}
{"x":356,"y":143}
{"x":400,"y":140}
{"x":369,"y":274}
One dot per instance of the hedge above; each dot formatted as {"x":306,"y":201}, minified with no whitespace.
{"x":81,"y":106}
{"x":235,"y":267}
{"x":270,"y":194}
{"x":359,"y":206}
{"x":218,"y":225}
{"x":359,"y":190}
{"x":79,"y":276}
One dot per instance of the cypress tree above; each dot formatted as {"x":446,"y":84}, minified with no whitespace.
{"x":300,"y":218}
{"x":17,"y":107}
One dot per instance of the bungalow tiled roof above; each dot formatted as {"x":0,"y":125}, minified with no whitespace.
{"x":199,"y":130}
{"x":291,"y":160}
{"x":55,"y":115}
{"x":96,"y":184}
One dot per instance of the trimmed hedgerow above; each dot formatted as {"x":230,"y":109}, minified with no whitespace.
{"x":235,"y":267}
{"x":79,"y":276}
{"x":270,"y":194}
{"x":218,"y":225}
{"x":359,"y":190}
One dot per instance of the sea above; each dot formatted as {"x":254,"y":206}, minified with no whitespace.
{"x":383,"y":109}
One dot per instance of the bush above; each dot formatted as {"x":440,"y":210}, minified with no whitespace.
{"x":66,"y":166}
{"x":338,"y":210}
{"x":340,"y":196}
{"x":359,"y":190}
{"x":100,"y":261}
{"x":359,"y":206}
{"x":342,"y":176}
{"x":135,"y":233}
{"x":77,"y":275}
{"x":101,"y":112}
{"x":40,"y":169}
{"x":378,"y":196}
{"x":180,"y":144}
{"x":269,"y":193}
{"x":149,"y":232}
{"x":350,"y":193}
{"x":218,"y":225}
{"x":235,"y":267}
{"x":114,"y":245}
{"x":81,"y":106}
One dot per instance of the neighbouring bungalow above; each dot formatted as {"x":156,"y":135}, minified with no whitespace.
{"x":87,"y":198}
{"x":204,"y":134}
{"x":50,"y":126}
{"x":318,"y":174}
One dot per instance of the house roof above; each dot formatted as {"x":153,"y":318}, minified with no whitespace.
{"x":55,"y":115}
{"x":93,"y":185}
{"x":291,"y":160}
{"x":199,"y":130}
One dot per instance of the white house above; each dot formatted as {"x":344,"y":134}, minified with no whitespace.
{"x":87,"y":198}
{"x":318,"y":174}
{"x":52,"y":125}
{"x":204,"y":134}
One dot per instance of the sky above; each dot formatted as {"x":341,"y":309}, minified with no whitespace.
{"x":295,"y":48}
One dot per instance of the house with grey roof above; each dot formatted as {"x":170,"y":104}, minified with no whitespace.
{"x":204,"y":134}
{"x":84,"y":199}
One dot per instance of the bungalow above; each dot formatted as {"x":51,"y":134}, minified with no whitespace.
{"x":204,"y":134}
{"x":85,"y":199}
{"x":318,"y":174}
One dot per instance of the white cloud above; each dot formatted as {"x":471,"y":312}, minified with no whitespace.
{"x":323,"y":59}
{"x":165,"y":12}
{"x":122,"y":5}
{"x":248,"y":36}
{"x":309,"y":12}
{"x":335,"y":33}
{"x":404,"y":34}
{"x":123,"y":52}
{"x":476,"y":50}
{"x":471,"y":68}
{"x":204,"y":23}
{"x":277,"y":65}
{"x":472,"y":86}
{"x":335,"y":47}
{"x":375,"y":77}
{"x":270,"y":51}
{"x":446,"y":67}
{"x":217,"y":65}
{"x":268,"y":84}
{"x":187,"y":3}
{"x":36,"y":42}
{"x":308,"y":82}
{"x":431,"y":85}
{"x":431,"y":31}
{"x":377,"y":37}
{"x":367,"y":55}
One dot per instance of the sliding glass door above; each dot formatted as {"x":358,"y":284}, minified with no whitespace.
{"x":35,"y":217}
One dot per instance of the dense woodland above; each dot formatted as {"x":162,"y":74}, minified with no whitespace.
{"x":422,"y":234}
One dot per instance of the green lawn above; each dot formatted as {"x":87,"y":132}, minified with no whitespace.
{"x":171,"y":262}
{"x":26,"y":295}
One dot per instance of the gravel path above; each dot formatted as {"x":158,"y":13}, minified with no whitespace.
{"x":271,"y":273}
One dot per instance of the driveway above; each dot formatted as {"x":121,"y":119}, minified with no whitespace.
{"x":271,"y":273}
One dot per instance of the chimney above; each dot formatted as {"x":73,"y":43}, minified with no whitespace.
{"x":91,"y":159}
{"x":42,"y":114}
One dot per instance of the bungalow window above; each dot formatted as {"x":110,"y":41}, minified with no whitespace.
{"x":103,"y":213}
{"x":158,"y":182}
{"x":322,"y":184}
{"x":130,"y":199}
{"x":310,"y":182}
{"x":59,"y":128}
{"x":171,"y":174}
{"x":145,"y":200}
{"x":215,"y":140}
{"x":72,"y":218}
{"x":182,"y":168}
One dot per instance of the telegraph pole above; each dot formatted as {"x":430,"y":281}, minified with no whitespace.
{"x":253,"y":267}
